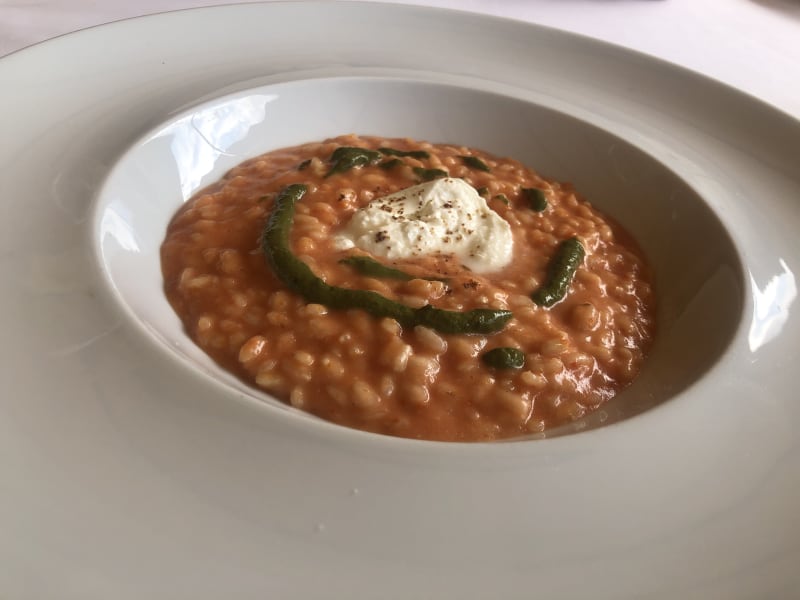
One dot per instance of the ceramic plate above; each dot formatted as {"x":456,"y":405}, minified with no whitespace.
{"x":127,"y":472}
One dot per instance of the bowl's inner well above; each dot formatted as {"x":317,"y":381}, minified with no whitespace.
{"x":698,"y":274}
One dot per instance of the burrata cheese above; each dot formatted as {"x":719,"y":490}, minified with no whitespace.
{"x":445,"y":216}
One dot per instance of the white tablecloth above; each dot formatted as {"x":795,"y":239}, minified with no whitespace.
{"x":753,"y":45}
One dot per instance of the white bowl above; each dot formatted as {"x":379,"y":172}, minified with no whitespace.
{"x":176,"y":486}
{"x":698,"y":271}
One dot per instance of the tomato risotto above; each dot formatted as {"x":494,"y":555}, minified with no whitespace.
{"x":421,"y":290}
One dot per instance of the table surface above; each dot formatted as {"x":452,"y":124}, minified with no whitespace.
{"x":753,"y":45}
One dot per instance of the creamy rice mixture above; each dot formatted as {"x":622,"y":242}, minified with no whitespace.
{"x":373,"y":372}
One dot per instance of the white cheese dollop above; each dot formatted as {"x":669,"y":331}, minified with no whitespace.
{"x":443,"y":216}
